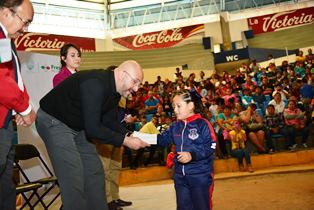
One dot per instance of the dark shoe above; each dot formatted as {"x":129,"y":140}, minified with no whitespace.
{"x":120,"y":202}
{"x":113,"y":206}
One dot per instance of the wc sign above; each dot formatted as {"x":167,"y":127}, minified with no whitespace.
{"x":231,"y":56}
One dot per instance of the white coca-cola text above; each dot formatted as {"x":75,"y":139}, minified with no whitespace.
{"x":157,"y":38}
{"x":282,"y":20}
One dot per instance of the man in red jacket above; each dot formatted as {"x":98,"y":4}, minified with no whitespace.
{"x":15,"y":17}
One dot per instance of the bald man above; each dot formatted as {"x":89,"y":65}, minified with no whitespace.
{"x":81,"y":108}
{"x":15,"y":17}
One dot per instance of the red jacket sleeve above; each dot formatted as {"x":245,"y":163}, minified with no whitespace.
{"x":11,"y":96}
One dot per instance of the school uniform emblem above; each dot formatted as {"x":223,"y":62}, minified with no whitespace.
{"x":193,"y":134}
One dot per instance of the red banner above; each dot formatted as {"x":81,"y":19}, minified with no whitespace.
{"x":282,"y":20}
{"x":39,"y":41}
{"x":159,"y":39}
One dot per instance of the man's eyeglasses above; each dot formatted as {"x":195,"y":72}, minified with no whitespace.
{"x":26,"y":23}
{"x":136,"y":82}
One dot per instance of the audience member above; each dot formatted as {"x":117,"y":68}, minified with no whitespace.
{"x":70,"y":56}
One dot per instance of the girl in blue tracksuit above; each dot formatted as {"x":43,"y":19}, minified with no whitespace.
{"x":195,"y":143}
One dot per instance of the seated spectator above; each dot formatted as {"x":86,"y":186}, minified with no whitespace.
{"x":295,"y":124}
{"x":246,"y":99}
{"x":271,"y":73}
{"x":300,"y":57}
{"x":229,"y":95}
{"x":274,"y":125}
{"x":151,"y":105}
{"x":278,"y":103}
{"x":300,"y":69}
{"x":253,"y":124}
{"x":259,"y":98}
{"x":266,"y":86}
{"x":151,"y":128}
{"x":249,"y":82}
{"x":167,"y":106}
{"x":239,"y":150}
{"x":225,"y":121}
{"x":307,"y":93}
{"x":278,"y":89}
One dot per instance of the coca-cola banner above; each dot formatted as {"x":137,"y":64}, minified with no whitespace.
{"x":40,"y":41}
{"x":159,"y":39}
{"x":282,"y":20}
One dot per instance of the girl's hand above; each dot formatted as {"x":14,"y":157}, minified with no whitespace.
{"x":184,"y":157}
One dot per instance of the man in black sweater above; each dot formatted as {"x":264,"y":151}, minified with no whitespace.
{"x":71,"y":115}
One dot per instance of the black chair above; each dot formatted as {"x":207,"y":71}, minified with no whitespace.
{"x":24,"y":189}
{"x":29,"y":151}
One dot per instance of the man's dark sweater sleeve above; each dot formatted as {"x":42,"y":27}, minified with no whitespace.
{"x":93,"y":93}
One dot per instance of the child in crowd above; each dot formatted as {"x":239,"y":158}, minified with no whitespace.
{"x":238,"y":138}
{"x":274,"y":124}
{"x":195,"y":152}
{"x":246,"y":99}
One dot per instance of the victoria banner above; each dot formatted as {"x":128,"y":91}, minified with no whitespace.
{"x":40,"y":42}
{"x":282,"y":20}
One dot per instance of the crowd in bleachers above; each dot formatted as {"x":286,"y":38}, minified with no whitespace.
{"x":276,"y":101}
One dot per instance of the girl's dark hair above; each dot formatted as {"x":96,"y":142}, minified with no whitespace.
{"x":192,"y":96}
{"x":10,"y":3}
{"x":64,"y":51}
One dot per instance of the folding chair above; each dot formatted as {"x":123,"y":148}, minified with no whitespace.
{"x":23,"y":189}
{"x":29,"y":151}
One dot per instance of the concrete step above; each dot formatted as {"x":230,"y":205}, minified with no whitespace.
{"x":267,"y":163}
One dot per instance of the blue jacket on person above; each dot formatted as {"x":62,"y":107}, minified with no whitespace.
{"x":194,"y":135}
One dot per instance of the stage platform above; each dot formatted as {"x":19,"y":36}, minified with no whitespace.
{"x":225,"y":168}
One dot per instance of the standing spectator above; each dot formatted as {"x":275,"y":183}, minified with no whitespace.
{"x":70,"y":56}
{"x":178,"y":74}
{"x":67,"y":124}
{"x":15,"y":17}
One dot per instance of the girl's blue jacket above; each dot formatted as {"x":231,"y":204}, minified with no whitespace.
{"x":194,"y":135}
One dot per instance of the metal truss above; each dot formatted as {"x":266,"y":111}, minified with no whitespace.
{"x":178,"y":10}
{"x":107,"y":15}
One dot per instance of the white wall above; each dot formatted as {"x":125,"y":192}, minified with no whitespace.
{"x":214,"y":31}
{"x":236,"y":27}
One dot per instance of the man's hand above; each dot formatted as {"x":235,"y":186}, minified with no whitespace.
{"x":134,"y":143}
{"x":26,"y":120}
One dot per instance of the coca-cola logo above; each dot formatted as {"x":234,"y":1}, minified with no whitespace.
{"x":160,"y":39}
{"x":41,"y":42}
{"x":157,"y":38}
{"x":281,"y":20}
